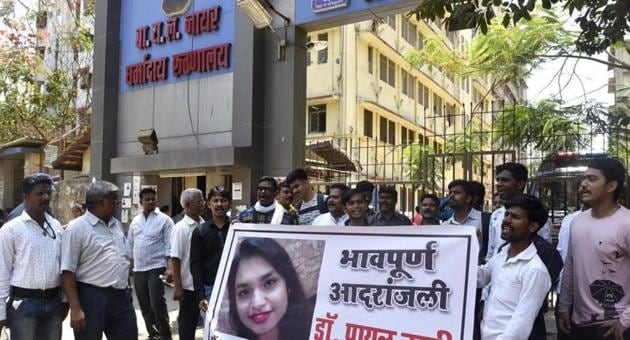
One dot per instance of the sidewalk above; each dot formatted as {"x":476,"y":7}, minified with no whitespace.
{"x":172,"y":312}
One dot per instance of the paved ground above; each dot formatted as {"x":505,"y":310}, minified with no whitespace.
{"x":172,"y":309}
{"x":172,"y":312}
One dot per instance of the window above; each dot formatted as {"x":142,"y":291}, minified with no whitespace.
{"x":407,"y":83}
{"x":387,"y":72}
{"x":317,"y":118}
{"x":404,"y":28}
{"x":450,"y":114}
{"x":308,"y":53}
{"x":391,"y":73}
{"x":391,"y":21}
{"x":368,"y":119}
{"x":437,"y":104}
{"x":420,"y":43}
{"x":404,"y":79}
{"x":450,"y":77}
{"x":423,"y":95}
{"x":370,"y":59}
{"x":409,"y":32}
{"x":413,"y":35}
{"x":387,"y":131}
{"x":403,"y":135}
{"x":391,"y":136}
{"x":322,"y":55}
{"x":383,"y":130}
{"x":407,"y":136}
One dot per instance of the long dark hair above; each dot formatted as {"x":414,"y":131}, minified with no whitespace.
{"x":291,"y":325}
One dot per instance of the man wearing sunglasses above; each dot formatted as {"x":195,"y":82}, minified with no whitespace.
{"x":30,"y":267}
{"x":263,"y":211}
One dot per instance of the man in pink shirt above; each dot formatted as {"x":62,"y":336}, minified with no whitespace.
{"x":596,"y":280}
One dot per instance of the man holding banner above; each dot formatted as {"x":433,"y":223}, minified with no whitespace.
{"x":519,"y":279}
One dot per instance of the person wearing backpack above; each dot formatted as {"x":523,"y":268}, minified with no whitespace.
{"x":313,"y":204}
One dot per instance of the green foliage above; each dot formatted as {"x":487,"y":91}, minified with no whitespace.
{"x":504,"y":53}
{"x":542,"y":128}
{"x":601,"y":23}
{"x":90,"y":8}
{"x":545,"y":126}
{"x":422,"y":164}
{"x":30,"y":107}
{"x":39,"y":100}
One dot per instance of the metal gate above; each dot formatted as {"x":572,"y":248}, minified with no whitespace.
{"x":468,"y":143}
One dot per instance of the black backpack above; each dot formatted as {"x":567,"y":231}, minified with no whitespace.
{"x":322,"y":206}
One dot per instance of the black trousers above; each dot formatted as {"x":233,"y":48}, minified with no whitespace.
{"x":593,"y":332}
{"x":150,"y":294}
{"x":108,"y":311}
{"x":188,"y":316}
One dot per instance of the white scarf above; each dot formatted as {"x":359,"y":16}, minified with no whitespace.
{"x":278,"y":215}
{"x":259,"y":208}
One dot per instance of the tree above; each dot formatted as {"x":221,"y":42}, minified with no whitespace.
{"x":602,"y":23}
{"x":544,"y":127}
{"x":505,"y":54}
{"x":43,"y":94}
{"x":536,"y":129}
{"x":30,"y":107}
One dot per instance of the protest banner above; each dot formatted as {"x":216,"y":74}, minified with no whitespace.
{"x":325,"y":283}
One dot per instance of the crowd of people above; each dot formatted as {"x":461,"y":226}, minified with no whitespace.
{"x":48,"y":271}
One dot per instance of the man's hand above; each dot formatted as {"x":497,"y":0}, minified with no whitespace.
{"x":4,"y":323}
{"x":564,"y":321}
{"x":168,"y":275}
{"x":178,"y":294}
{"x":77,"y":318}
{"x":613,"y":328}
{"x":203,"y":305}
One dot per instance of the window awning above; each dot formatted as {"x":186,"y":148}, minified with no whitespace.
{"x":330,"y":153}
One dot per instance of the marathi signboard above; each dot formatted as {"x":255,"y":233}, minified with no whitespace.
{"x":319,"y":6}
{"x":318,"y":14}
{"x":157,"y":49}
{"x":323,"y":283}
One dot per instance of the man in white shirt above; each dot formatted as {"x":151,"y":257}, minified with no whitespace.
{"x":336,"y":216}
{"x":150,"y":238}
{"x":518,"y":277}
{"x":511,"y":179}
{"x":29,"y":267}
{"x":95,"y":261}
{"x":193,"y":203}
{"x":460,"y":199}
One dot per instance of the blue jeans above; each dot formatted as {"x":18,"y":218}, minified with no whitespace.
{"x":35,"y":319}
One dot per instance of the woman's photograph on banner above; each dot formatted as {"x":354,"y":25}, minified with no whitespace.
{"x":271,"y":289}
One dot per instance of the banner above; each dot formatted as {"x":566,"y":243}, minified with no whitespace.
{"x":325,"y":283}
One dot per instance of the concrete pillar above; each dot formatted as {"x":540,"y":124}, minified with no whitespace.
{"x":105,"y":88}
{"x":285,"y":95}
